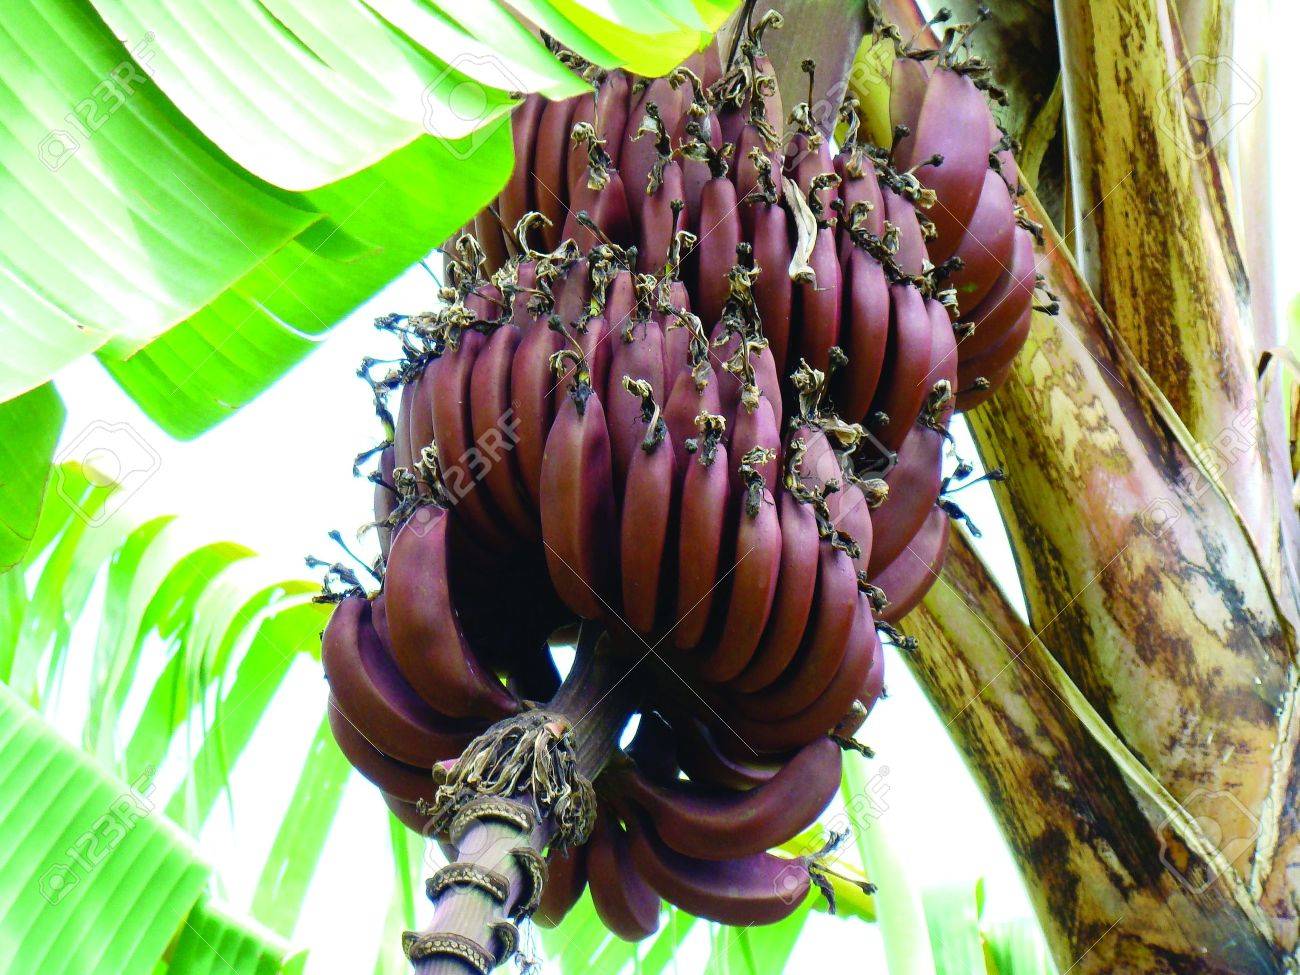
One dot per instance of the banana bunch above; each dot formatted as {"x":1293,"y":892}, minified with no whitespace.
{"x":690,"y":387}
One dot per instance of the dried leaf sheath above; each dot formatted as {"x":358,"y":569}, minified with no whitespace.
{"x":1158,"y":240}
{"x":1114,"y":872}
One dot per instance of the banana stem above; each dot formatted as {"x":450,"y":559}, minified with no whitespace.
{"x":596,"y":700}
{"x":499,"y":839}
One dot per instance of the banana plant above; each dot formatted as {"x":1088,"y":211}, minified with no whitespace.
{"x":1136,"y":737}
{"x":1136,"y":734}
{"x":93,"y":831}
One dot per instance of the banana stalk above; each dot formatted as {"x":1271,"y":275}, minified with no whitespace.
{"x":1193,"y":681}
{"x":1251,"y":163}
{"x":1208,"y":30}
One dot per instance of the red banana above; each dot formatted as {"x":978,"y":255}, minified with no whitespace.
{"x":953,"y":124}
{"x":692,"y":393}
{"x":901,"y":212}
{"x":915,"y":479}
{"x":659,"y":217}
{"x":402,"y":429}
{"x":865,"y":334}
{"x":371,"y":691}
{"x":719,"y":234}
{"x":638,"y":354}
{"x":606,"y":110}
{"x":550,"y":192}
{"x":971,"y":397}
{"x":989,"y":362}
{"x":625,"y":902}
{"x":907,"y":86}
{"x":578,"y":516}
{"x":460,"y":462}
{"x":427,"y":641}
{"x":757,"y":424}
{"x":516,"y":199}
{"x":706,"y":492}
{"x":735,"y":378}
{"x":1006,"y":304}
{"x":907,"y":579}
{"x":824,"y":645}
{"x":649,"y":509}
{"x":706,"y":763}
{"x":753,"y":587}
{"x":723,"y":824}
{"x":907,"y":360}
{"x":565,"y":881}
{"x":767,"y":735}
{"x":986,"y":247}
{"x":397,"y":779}
{"x":488,"y":231}
{"x":532,"y":403}
{"x":758,"y":889}
{"x":795,"y":585}
{"x":818,"y":302}
{"x":495,"y":424}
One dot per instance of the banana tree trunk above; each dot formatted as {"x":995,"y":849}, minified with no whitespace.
{"x":1120,"y":880}
{"x":1149,"y":512}
{"x":1158,"y":242}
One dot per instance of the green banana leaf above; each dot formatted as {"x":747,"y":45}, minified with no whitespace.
{"x":301,"y":838}
{"x":1017,"y":947}
{"x":962,"y":943}
{"x":93,"y":878}
{"x":898,"y":904}
{"x":32,"y":423}
{"x":192,"y":643}
{"x":756,"y":950}
{"x":213,"y":941}
{"x":167,"y":168}
{"x":952,"y":917}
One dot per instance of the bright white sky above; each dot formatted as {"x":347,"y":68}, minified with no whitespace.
{"x":277,"y":477}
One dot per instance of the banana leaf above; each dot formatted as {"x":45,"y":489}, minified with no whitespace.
{"x":35,"y":419}
{"x":194,"y":642}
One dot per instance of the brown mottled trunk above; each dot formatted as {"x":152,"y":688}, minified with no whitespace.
{"x":1119,"y":880}
{"x":1138,"y":740}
